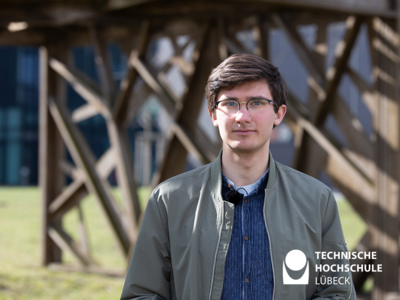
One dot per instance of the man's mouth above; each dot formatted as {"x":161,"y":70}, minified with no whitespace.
{"x":244,"y":131}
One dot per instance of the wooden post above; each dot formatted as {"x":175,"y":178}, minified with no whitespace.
{"x":51,"y":151}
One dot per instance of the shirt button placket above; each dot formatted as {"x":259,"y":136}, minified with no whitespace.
{"x":246,"y":246}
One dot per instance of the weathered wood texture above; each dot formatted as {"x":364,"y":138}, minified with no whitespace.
{"x":384,"y":217}
{"x":50,"y":153}
{"x":365,"y":169}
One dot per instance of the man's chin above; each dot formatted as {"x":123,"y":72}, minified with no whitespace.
{"x":244,"y":148}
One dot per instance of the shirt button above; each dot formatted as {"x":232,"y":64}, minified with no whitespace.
{"x":246,"y":238}
{"x":230,"y":186}
{"x":245,"y":200}
{"x":246,"y":280}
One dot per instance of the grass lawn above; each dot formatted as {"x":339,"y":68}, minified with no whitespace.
{"x":22,"y":276}
{"x":353,"y":226}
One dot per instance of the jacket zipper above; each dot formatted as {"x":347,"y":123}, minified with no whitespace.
{"x":216,"y":251}
{"x":269,"y":242}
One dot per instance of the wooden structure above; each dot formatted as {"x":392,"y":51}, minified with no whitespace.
{"x":366,"y":170}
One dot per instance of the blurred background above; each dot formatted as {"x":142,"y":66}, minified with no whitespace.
{"x":102,"y":100}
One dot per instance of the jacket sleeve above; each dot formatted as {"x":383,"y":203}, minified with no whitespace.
{"x":149,"y":273}
{"x":340,"y":286}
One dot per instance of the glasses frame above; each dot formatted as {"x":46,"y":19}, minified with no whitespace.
{"x":247,"y":103}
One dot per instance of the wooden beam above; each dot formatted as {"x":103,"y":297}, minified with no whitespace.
{"x":104,"y":64}
{"x":350,"y":179}
{"x":84,"y":239}
{"x":320,"y":50}
{"x":24,"y":38}
{"x":121,"y":103}
{"x":304,"y":160}
{"x":359,"y":278}
{"x":335,"y":73}
{"x":123,"y":4}
{"x":222,"y":47}
{"x":307,"y":58}
{"x":352,"y":129}
{"x":117,"y":135}
{"x":149,"y":76}
{"x":174,"y":161}
{"x":50,"y":154}
{"x":208,"y":149}
{"x":187,"y":143}
{"x":310,"y":150}
{"x":358,"y":7}
{"x":181,"y":139}
{"x":65,"y":242}
{"x":70,"y":197}
{"x":261,"y":35}
{"x":163,"y":81}
{"x":194,"y":93}
{"x":233,"y":46}
{"x":367,"y":92}
{"x":68,"y":169}
{"x":106,"y":163}
{"x":185,"y":67}
{"x":135,"y":103}
{"x":126,"y":181}
{"x":84,"y":112}
{"x":350,"y":125}
{"x":83,"y":85}
{"x":77,"y":189}
{"x":40,"y":15}
{"x":84,"y":159}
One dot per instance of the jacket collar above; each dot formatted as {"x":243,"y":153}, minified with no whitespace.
{"x":216,"y":175}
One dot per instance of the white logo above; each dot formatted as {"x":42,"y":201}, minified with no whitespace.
{"x":295,"y":260}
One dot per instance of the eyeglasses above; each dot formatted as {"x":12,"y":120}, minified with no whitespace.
{"x":231,"y":107}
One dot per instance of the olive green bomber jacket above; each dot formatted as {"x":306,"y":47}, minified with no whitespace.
{"x":184,"y":238}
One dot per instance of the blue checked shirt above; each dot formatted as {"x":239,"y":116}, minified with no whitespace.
{"x":248,"y":266}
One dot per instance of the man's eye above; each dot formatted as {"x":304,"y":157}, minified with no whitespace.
{"x":256,"y":103}
{"x":229,"y":103}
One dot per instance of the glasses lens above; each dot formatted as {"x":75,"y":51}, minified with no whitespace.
{"x":258,"y":105}
{"x":228,"y":106}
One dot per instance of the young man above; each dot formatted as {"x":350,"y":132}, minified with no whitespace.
{"x":244,"y":226}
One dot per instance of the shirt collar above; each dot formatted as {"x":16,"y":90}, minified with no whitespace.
{"x":248,"y":189}
{"x":216,"y":175}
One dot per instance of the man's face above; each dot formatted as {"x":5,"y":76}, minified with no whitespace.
{"x":247,"y":131}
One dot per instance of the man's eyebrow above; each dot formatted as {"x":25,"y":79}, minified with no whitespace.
{"x":257,"y":97}
{"x":248,"y":98}
{"x":230,"y":98}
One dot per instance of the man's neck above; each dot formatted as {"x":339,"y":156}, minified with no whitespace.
{"x":244,"y":168}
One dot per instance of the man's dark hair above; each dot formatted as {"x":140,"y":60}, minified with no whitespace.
{"x":242,"y":68}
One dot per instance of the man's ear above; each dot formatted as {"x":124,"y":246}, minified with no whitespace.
{"x":213,"y":117}
{"x":280,"y":114}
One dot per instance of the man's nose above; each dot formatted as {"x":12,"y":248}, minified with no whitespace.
{"x":243,"y":114}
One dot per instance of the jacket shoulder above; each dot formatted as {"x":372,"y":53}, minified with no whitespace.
{"x":186,"y":180}
{"x":309,"y":194}
{"x":298,"y":178}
